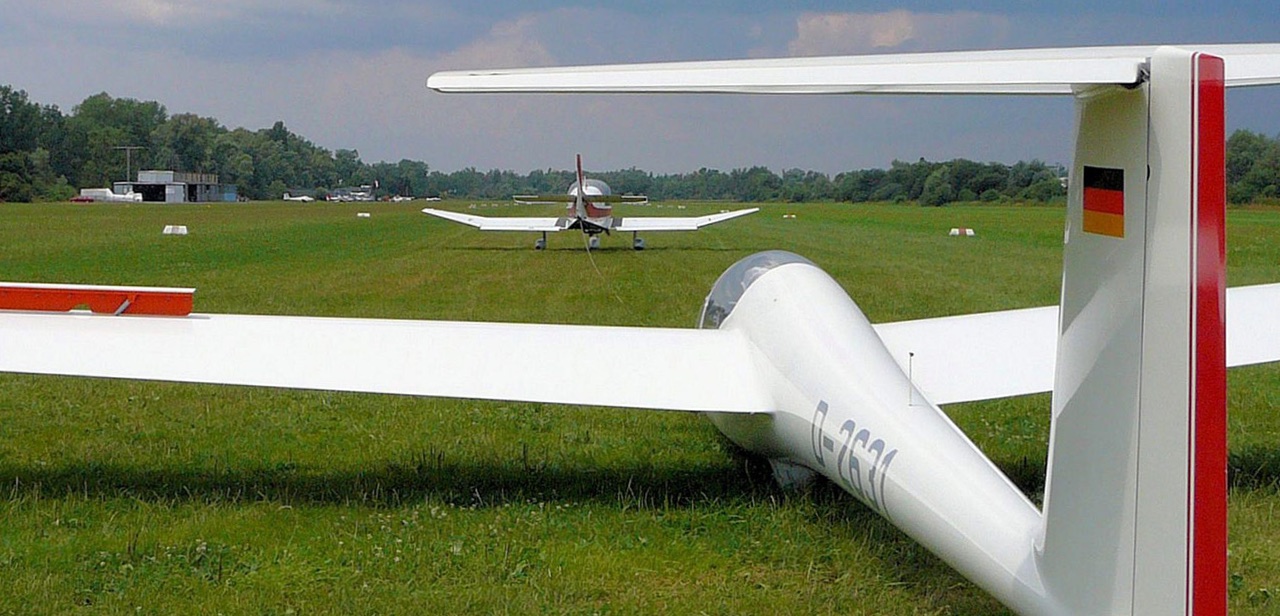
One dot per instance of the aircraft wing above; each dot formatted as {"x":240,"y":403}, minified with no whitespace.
{"x":690,"y":223}
{"x":672,"y":369}
{"x":977,"y":356}
{"x":566,"y":198}
{"x":500,"y":223}
{"x":1015,"y":71}
{"x":950,"y":359}
{"x":1011,"y":353}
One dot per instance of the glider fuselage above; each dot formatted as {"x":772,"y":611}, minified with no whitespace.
{"x":846,"y":410}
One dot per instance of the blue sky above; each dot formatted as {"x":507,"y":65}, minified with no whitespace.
{"x":351,"y":74}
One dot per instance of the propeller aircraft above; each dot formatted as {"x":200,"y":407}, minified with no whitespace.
{"x":589,"y":210}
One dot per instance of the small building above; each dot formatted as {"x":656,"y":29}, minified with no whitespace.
{"x":178,"y":187}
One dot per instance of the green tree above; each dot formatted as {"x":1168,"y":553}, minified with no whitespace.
{"x":186,"y":143}
{"x":15,"y":177}
{"x":1253,"y":167}
{"x":20,"y":121}
{"x":1044,"y":191}
{"x":937,"y":189}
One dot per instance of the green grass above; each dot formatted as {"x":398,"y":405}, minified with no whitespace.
{"x":166,"y":498}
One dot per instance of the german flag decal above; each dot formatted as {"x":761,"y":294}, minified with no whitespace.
{"x":1104,"y":201}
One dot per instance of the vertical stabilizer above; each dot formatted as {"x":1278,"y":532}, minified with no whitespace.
{"x":580,"y":201}
{"x":1135,"y":503}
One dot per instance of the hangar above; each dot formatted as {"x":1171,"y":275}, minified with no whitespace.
{"x":178,"y":187}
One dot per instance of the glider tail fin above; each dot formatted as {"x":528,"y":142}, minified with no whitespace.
{"x":1135,"y":501}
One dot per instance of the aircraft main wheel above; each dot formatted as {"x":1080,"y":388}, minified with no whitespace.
{"x":638,"y":244}
{"x":593,"y":242}
{"x":541,"y":244}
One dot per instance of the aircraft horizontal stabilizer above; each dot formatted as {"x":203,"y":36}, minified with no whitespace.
{"x":665,"y":368}
{"x":691,"y":223}
{"x":1011,"y":353}
{"x":1018,"y":71}
{"x":500,"y":223}
{"x":566,"y":198}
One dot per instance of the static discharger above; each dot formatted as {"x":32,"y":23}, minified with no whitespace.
{"x":99,"y":299}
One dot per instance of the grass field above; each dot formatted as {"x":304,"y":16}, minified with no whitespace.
{"x":165,"y":498}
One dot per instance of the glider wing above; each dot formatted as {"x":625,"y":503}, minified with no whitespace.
{"x":672,"y":369}
{"x":1011,"y":353}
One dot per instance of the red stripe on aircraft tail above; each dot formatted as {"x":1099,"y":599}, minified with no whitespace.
{"x":1208,"y":494}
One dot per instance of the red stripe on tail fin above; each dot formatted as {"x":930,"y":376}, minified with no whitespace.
{"x":1208,"y":493}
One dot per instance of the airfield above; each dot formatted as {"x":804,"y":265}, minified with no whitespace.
{"x":188,"y":498}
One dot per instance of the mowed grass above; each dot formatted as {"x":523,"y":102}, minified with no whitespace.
{"x":169,"y":498}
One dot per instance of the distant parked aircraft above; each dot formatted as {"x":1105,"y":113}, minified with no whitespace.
{"x":110,"y":196}
{"x":302,"y":198}
{"x":589,"y":210}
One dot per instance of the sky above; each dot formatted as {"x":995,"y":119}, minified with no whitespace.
{"x":352,"y":73}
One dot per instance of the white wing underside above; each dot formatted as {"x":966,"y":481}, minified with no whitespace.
{"x":955,"y":359}
{"x":501,"y":223}
{"x":673,"y":369}
{"x":691,"y":223}
{"x":1018,"y":71}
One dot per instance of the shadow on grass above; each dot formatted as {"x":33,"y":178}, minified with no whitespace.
{"x":493,"y":483}
{"x":431,"y":476}
{"x":746,"y":481}
{"x":1255,"y":467}
{"x":604,"y":249}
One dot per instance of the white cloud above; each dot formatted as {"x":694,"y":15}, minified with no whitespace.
{"x":169,"y":13}
{"x":508,"y":44}
{"x":852,"y":33}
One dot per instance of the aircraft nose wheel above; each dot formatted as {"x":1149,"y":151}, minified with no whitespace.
{"x":593,"y":242}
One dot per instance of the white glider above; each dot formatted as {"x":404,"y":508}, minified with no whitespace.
{"x":1134,"y":519}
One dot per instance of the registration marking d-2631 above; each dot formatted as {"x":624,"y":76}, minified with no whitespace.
{"x":862,"y":461}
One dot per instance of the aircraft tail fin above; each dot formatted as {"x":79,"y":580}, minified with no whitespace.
{"x":1135,"y":503}
{"x":579,"y":202}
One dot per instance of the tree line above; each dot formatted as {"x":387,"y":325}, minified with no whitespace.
{"x":46,"y":155}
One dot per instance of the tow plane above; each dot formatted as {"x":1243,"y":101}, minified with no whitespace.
{"x":589,"y":210}
{"x":784,"y":363}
